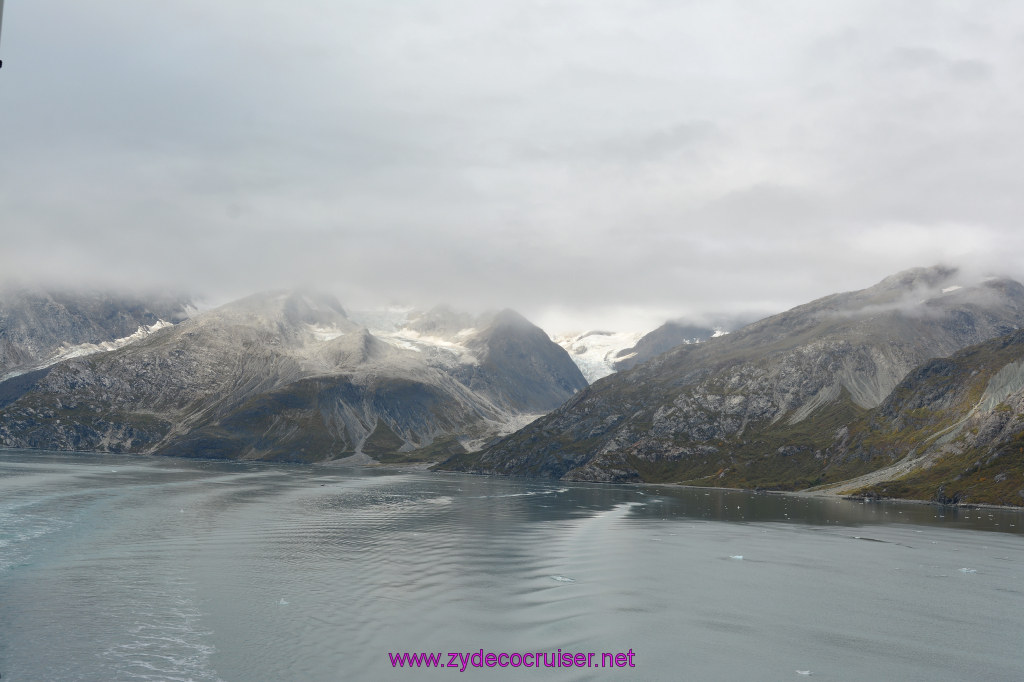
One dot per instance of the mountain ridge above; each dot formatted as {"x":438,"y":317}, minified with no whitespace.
{"x":912,"y":387}
{"x":277,"y":375}
{"x":734,"y":410}
{"x":39,"y":327}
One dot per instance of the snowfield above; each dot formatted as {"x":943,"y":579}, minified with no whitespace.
{"x":595,"y":352}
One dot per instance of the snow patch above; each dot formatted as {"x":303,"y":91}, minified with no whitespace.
{"x":66,"y":352}
{"x":391,"y":326}
{"x":410,"y":339}
{"x":321,"y":333}
{"x":595,"y":352}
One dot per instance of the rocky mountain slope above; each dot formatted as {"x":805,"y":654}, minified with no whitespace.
{"x":288,"y":376}
{"x":39,"y":327}
{"x":951,"y":431}
{"x":762,"y":406}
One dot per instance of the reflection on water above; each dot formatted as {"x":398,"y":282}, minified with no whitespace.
{"x":744,"y":506}
{"x":136,"y":568}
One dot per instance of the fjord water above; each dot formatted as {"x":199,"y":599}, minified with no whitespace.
{"x":131,"y":568}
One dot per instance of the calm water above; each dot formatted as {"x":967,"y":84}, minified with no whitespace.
{"x":118,"y":568}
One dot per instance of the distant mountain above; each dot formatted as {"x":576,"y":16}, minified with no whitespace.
{"x":600,"y":353}
{"x":289,"y":376}
{"x":661,"y":340}
{"x":759,"y":406}
{"x":40,"y":327}
{"x":501,"y":354}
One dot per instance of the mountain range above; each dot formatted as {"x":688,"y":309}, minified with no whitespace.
{"x":813,"y":396}
{"x":288,"y":376}
{"x":913,"y":387}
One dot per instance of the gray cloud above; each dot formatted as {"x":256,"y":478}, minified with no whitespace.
{"x":589,"y":163}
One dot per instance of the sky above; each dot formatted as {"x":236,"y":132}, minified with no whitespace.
{"x":592,"y":164}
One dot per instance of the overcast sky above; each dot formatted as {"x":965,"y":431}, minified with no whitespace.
{"x":590,"y":163}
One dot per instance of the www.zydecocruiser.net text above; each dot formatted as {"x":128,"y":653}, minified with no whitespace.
{"x":462,"y":660}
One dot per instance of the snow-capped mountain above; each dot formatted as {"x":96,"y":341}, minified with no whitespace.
{"x":290,"y":376}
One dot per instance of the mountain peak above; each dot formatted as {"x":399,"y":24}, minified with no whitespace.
{"x":919,"y":278}
{"x":510,"y":318}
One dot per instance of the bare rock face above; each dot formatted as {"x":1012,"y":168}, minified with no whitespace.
{"x":517,"y":364}
{"x":289,"y":376}
{"x":952,"y":431}
{"x":761,"y":405}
